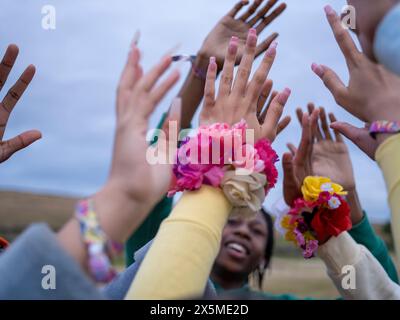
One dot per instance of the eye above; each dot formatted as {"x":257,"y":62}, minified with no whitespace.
{"x":258,"y":232}
{"x":233,"y":222}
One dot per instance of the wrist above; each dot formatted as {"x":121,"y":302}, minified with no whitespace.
{"x":356,"y":211}
{"x":203,"y":60}
{"x":118,"y":212}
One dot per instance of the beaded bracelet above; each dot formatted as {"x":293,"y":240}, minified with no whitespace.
{"x":384,"y":126}
{"x":100,"y":249}
{"x":199,"y":73}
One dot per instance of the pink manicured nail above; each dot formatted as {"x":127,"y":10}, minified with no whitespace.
{"x":213,"y":64}
{"x":234,"y":39}
{"x":318,"y":70}
{"x":253,"y":31}
{"x":284,"y":96}
{"x":135,"y":39}
{"x":233,"y":45}
{"x":329,"y":10}
{"x":272,"y":49}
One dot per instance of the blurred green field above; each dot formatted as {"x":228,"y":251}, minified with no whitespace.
{"x":289,"y":272}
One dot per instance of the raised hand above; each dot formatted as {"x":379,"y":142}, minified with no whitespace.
{"x":9,"y":147}
{"x":373,"y":92}
{"x":297,"y":163}
{"x":137,"y":97}
{"x":330,"y":156}
{"x":359,"y":136}
{"x":134,"y":185}
{"x":218,"y":39}
{"x":238,"y":98}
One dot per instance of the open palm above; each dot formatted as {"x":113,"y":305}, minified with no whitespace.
{"x":218,"y":39}
{"x":9,"y":147}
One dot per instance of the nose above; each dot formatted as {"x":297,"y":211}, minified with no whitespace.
{"x":242,"y":230}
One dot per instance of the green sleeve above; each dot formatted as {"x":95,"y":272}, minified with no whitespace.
{"x":364,"y":234}
{"x":148,"y":229}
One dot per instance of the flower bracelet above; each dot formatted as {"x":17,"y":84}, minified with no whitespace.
{"x":222,"y":156}
{"x":321,"y":213}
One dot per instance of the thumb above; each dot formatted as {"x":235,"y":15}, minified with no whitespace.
{"x":290,"y":185}
{"x":17,"y":143}
{"x":359,"y":136}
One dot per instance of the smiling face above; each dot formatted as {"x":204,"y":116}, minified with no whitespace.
{"x":243,"y":245}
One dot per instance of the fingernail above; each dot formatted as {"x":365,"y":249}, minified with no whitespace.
{"x":253,"y":31}
{"x":233,"y":45}
{"x":272,"y":49}
{"x":176,"y":106}
{"x":213,"y":64}
{"x":329,"y":10}
{"x":135,"y":39}
{"x":284,"y":96}
{"x":317,"y":69}
{"x":252,"y":37}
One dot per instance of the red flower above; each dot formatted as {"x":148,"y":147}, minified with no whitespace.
{"x":3,"y":243}
{"x":270,"y":157}
{"x":327,"y":223}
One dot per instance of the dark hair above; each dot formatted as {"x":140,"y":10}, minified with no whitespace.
{"x":269,"y":248}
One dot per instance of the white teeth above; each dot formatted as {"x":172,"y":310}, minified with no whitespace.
{"x":237,"y":247}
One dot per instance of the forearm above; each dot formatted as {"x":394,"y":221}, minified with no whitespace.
{"x":388,"y":158}
{"x":114,"y":210}
{"x":365,"y":279}
{"x":355,"y":207}
{"x":192,"y":91}
{"x":187,"y":244}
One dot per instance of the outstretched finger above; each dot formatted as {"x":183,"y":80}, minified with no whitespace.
{"x":342,"y":37}
{"x":255,"y":86}
{"x":209,"y":89}
{"x":225,"y":85}
{"x":299,"y":114}
{"x":8,"y":148}
{"x":243,"y":74}
{"x":266,"y":21}
{"x":324,"y":124}
{"x":338,"y":136}
{"x":265,"y":92}
{"x":7,"y":63}
{"x":238,"y":6}
{"x":262,"y":116}
{"x":261,"y":13}
{"x":13,"y":95}
{"x":264,"y":45}
{"x":251,"y":10}
{"x":292,"y":148}
{"x":158,"y":93}
{"x":290,"y":183}
{"x":332,"y":81}
{"x":274,"y":113}
{"x":282,"y":125}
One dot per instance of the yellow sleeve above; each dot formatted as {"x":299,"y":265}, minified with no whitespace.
{"x":180,"y":259}
{"x":388,"y":158}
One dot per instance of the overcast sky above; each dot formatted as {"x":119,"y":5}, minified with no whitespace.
{"x":71,"y":99}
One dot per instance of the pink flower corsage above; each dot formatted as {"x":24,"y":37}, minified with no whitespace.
{"x":219,"y":156}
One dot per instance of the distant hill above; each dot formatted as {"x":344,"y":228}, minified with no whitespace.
{"x":18,"y":210}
